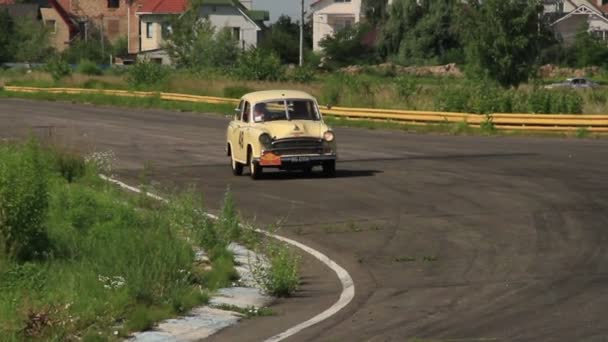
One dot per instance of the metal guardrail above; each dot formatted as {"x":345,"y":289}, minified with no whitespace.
{"x":530,"y":122}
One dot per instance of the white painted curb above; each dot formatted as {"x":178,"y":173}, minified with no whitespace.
{"x":348,"y":286}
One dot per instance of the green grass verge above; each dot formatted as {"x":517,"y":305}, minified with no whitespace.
{"x":79,"y":259}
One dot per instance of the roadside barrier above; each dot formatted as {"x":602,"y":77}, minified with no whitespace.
{"x":529,"y":122}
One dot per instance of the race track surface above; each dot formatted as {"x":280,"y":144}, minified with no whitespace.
{"x":447,"y":237}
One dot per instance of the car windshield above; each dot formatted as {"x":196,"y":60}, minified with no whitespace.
{"x":285,"y":110}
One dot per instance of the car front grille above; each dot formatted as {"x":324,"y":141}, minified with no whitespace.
{"x":298,"y":146}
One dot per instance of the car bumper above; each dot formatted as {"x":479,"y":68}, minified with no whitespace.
{"x":297,"y":160}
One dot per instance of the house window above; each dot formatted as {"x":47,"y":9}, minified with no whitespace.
{"x":51,"y":25}
{"x":149,"y":28}
{"x":166,"y":30}
{"x":341,"y":24}
{"x":113,"y":3}
{"x":342,"y":0}
{"x":236,"y":33}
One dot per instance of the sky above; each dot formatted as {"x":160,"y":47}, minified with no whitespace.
{"x":278,"y":7}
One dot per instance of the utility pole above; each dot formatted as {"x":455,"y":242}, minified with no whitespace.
{"x":302,"y":34}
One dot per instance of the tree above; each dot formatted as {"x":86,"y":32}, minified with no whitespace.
{"x":283,"y":38}
{"x":423,"y":31}
{"x":587,"y":50}
{"x":346,"y":46}
{"x":375,"y":11}
{"x":33,"y":44}
{"x":194,"y":43}
{"x":7,"y":36}
{"x":504,"y":39}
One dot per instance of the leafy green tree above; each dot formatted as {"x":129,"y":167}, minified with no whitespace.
{"x":194,"y":43}
{"x":423,"y":32}
{"x":587,"y":50}
{"x":346,"y":47}
{"x":504,"y":39}
{"x":283,"y":38}
{"x":7,"y":34}
{"x":375,"y":11}
{"x":33,"y":43}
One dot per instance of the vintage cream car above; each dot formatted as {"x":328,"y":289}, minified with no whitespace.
{"x":280,"y":129}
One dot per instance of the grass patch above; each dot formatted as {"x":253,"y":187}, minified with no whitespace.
{"x":81,"y":259}
{"x":248,"y":312}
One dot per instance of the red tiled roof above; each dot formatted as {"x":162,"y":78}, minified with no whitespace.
{"x":164,"y":6}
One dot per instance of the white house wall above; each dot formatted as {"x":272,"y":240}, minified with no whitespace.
{"x":328,"y":9}
{"x":155,"y":41}
{"x":224,"y":16}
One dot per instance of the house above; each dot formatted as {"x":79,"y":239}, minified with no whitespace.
{"x":114,"y":19}
{"x":567,"y":17}
{"x":330,"y":16}
{"x":245,"y":24}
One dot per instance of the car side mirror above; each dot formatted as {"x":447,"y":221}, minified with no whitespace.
{"x":237,"y":111}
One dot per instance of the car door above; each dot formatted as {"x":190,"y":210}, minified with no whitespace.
{"x":233,"y":128}
{"x":243,"y":125}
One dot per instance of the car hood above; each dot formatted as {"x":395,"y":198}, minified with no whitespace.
{"x":294,"y":128}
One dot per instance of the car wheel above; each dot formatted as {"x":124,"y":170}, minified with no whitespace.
{"x":255,"y":170}
{"x":237,"y":168}
{"x":329,"y":168}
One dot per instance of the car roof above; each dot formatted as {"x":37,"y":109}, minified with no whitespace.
{"x":265,"y":95}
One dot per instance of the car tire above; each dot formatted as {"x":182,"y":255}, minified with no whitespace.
{"x":329,"y":168}
{"x":255,"y":170}
{"x":237,"y":168}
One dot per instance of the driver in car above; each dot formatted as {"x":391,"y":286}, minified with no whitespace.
{"x":259,"y":112}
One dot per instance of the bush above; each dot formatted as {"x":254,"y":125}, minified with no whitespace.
{"x":58,"y":68}
{"x":87,"y":67}
{"x":405,"y":87}
{"x":279,"y":277}
{"x":145,"y":74}
{"x":70,"y":166}
{"x":236,"y":92}
{"x":301,"y":74}
{"x":260,"y":65}
{"x":23,"y":202}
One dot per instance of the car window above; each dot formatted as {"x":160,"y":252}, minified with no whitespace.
{"x":246,"y":111}
{"x":285,"y":110}
{"x":302,"y":110}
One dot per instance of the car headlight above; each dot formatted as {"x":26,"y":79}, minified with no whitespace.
{"x":265,"y":140}
{"x":329,"y":136}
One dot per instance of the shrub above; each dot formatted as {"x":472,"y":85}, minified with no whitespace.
{"x":279,"y":277}
{"x":87,"y":67}
{"x":301,"y":74}
{"x":260,"y":65}
{"x":58,"y":68}
{"x":236,"y":92}
{"x":23,"y":202}
{"x":70,"y":165}
{"x":405,"y":87}
{"x":147,"y":74}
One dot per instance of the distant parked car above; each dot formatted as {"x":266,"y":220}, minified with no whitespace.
{"x":576,"y":82}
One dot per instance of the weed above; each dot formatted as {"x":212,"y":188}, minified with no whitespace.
{"x":582,"y":132}
{"x":147,"y":74}
{"x":429,"y":258}
{"x":87,"y":67}
{"x":58,"y":68}
{"x":277,"y":273}
{"x":405,"y":259}
{"x":249,"y":312}
{"x":23,"y":202}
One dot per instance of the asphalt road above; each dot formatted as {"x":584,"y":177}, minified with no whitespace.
{"x":446,"y":237}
